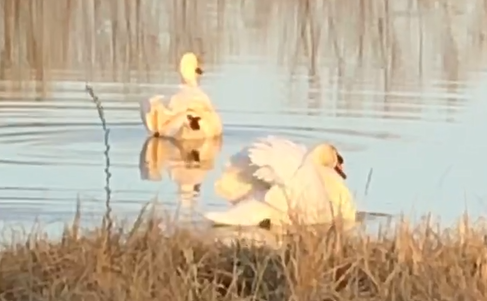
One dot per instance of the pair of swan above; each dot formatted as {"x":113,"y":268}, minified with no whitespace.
{"x":189,"y":114}
{"x":273,"y":180}
{"x":282,"y":182}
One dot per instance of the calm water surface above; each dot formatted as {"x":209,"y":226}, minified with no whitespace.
{"x":418,"y":144}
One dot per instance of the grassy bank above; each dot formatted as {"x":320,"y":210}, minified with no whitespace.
{"x":141,"y":263}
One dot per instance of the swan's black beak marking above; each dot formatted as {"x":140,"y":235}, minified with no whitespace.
{"x":194,"y":155}
{"x":199,"y":71}
{"x":194,"y":123}
{"x":340,"y":159}
{"x":197,"y":188}
{"x":339,"y":167}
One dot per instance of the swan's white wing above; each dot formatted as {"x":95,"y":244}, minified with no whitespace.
{"x":304,"y":191}
{"x":237,"y":180}
{"x":277,"y":159}
{"x":148,"y":112}
{"x":172,"y":127}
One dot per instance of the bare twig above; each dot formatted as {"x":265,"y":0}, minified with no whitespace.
{"x":106,"y":131}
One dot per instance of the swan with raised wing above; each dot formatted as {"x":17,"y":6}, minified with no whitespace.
{"x":189,"y":113}
{"x":281,"y":181}
{"x":238,"y":182}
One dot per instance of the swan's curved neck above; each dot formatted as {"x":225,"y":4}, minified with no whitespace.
{"x":190,"y":81}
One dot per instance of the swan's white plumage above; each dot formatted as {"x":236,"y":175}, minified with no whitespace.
{"x":148,"y":108}
{"x":190,"y":101}
{"x":253,"y":169}
{"x":190,"y":97}
{"x":269,"y":154}
{"x":300,"y":190}
{"x":157,"y":119}
{"x":256,"y":212}
{"x":237,"y":180}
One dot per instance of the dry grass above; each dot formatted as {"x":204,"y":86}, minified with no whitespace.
{"x":141,"y":263}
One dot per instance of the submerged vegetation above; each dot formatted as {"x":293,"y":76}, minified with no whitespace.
{"x":143,"y":263}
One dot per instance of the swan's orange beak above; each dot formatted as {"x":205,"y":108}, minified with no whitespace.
{"x":339,"y":167}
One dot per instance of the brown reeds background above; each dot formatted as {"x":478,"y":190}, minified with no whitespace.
{"x":130,"y":40}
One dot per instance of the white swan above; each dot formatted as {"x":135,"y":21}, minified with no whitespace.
{"x":189,"y":114}
{"x":290,"y":184}
{"x":238,"y":182}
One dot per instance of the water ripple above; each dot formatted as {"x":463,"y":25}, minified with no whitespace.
{"x":52,"y":149}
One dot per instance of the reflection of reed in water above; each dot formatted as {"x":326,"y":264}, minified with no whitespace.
{"x":187,"y":163}
{"x":394,"y":41}
{"x":383,"y":46}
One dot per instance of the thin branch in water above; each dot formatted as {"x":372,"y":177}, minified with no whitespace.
{"x":369,"y":180}
{"x":101,"y":115}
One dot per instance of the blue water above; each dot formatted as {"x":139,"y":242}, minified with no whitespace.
{"x":411,"y":146}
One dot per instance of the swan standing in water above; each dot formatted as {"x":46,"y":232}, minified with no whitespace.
{"x":280,"y":181}
{"x":189,"y":114}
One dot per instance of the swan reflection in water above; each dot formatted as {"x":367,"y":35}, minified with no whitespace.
{"x":187,"y":163}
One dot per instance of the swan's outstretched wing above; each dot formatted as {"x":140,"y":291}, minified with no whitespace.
{"x":301,"y":192}
{"x":277,"y":159}
{"x":237,"y":180}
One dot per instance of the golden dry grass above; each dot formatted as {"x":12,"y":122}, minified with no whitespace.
{"x":141,"y":263}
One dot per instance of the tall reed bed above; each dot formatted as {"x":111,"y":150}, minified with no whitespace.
{"x":381,"y":45}
{"x":130,"y":40}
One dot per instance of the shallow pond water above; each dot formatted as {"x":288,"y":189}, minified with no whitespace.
{"x":413,"y":147}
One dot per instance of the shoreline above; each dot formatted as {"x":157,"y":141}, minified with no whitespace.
{"x":142,"y":262}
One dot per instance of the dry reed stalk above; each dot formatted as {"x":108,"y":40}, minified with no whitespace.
{"x":144,"y":263}
{"x":107,"y":221}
